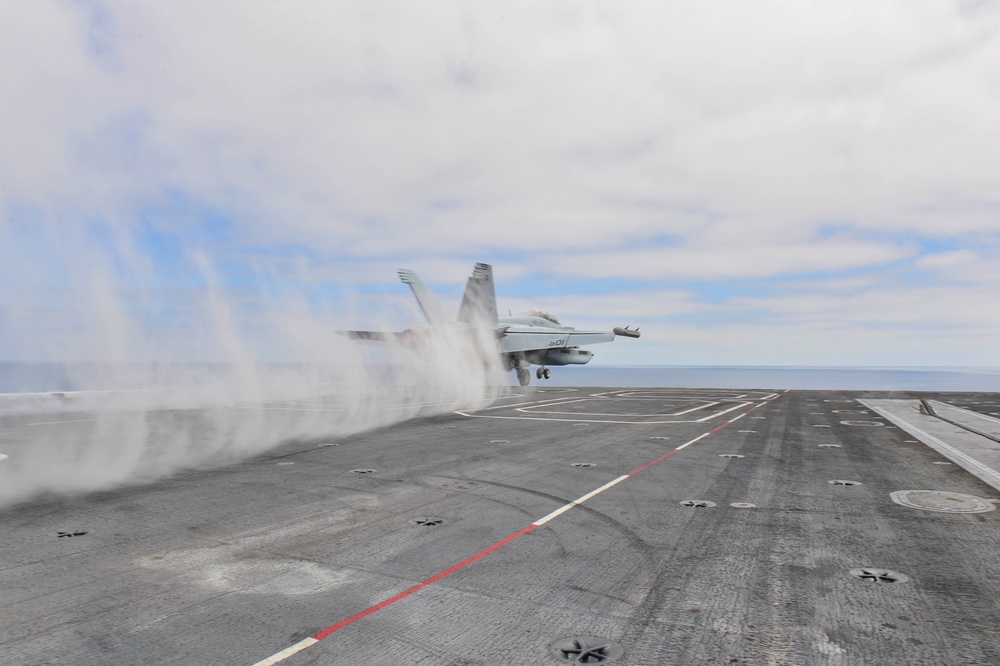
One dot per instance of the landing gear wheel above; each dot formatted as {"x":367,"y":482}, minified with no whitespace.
{"x":523,"y":376}
{"x":538,"y":373}
{"x":546,"y":373}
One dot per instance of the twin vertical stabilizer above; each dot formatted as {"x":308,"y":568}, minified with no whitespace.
{"x":535,"y":338}
{"x":479,"y":304}
{"x":430,"y":306}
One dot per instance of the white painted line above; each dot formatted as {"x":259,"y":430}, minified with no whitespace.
{"x":560,"y":511}
{"x":105,"y":418}
{"x":548,"y":404}
{"x":541,"y":408}
{"x":968,"y":412}
{"x":577,"y":420}
{"x":524,"y":410}
{"x":287,"y":652}
{"x":708,"y":418}
{"x":538,"y":403}
{"x":604,"y":394}
{"x":475,"y":414}
{"x":684,"y":446}
{"x":737,"y":418}
{"x":695,"y":409}
{"x":987,"y":474}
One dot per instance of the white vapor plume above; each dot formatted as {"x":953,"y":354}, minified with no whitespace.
{"x":270,"y":369}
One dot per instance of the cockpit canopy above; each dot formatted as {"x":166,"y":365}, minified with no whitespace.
{"x":543,"y":314}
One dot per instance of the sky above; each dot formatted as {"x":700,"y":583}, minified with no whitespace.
{"x":767,"y":183}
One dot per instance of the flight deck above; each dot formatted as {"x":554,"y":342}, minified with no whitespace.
{"x":558,"y":525}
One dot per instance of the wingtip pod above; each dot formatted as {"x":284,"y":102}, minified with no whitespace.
{"x":627,"y":332}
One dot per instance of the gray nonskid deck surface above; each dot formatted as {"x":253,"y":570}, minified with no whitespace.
{"x":234,"y":565}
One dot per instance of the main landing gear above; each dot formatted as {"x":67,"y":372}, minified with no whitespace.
{"x":524,"y":375}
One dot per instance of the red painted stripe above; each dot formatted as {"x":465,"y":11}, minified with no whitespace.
{"x":709,"y":433}
{"x":323,"y":633}
{"x":653,"y":462}
{"x":320,"y":635}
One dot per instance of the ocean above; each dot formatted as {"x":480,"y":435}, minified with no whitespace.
{"x":782,"y":377}
{"x":45,"y":377}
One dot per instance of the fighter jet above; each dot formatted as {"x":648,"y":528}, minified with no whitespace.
{"x":535,"y":337}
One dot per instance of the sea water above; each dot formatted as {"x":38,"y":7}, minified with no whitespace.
{"x":782,"y":377}
{"x":46,"y":377}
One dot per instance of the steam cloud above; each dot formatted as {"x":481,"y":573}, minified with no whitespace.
{"x":278,"y":372}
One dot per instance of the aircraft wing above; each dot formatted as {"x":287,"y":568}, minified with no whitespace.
{"x":522,"y":341}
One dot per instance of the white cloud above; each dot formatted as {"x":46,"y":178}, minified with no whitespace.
{"x":660,"y":142}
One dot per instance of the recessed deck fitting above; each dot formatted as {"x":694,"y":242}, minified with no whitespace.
{"x":942,"y":501}
{"x":363,"y":471}
{"x":731,"y":455}
{"x":743,"y":505}
{"x":843,"y":482}
{"x":586,"y":650}
{"x":871,"y":575}
{"x":658,"y":437}
{"x":698,"y":504}
{"x":828,"y":446}
{"x":584,"y":465}
{"x":427,"y":521}
{"x":69,"y":534}
{"x":499,"y":441}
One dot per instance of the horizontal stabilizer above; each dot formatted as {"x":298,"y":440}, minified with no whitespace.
{"x":380,"y":336}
